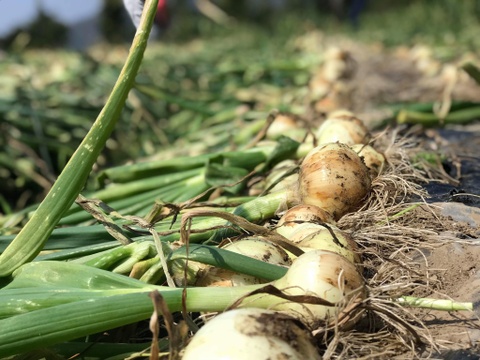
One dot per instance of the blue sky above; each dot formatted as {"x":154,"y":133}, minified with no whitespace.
{"x":17,"y":13}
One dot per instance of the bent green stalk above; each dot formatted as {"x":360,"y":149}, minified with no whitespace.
{"x":29,"y":242}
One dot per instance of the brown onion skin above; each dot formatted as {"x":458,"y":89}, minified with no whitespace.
{"x":374,"y":160}
{"x":334,"y":178}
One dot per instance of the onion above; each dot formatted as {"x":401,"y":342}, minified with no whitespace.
{"x":299,"y":215}
{"x":284,"y":124}
{"x":252,"y":247}
{"x":344,"y":127}
{"x":341,"y":244}
{"x":186,"y":275}
{"x":305,"y":213}
{"x":288,"y":229}
{"x":252,"y":334}
{"x":311,"y":236}
{"x":334,"y":178}
{"x":374,"y":160}
{"x":282,"y":176}
{"x":338,"y":64}
{"x":323,"y":274}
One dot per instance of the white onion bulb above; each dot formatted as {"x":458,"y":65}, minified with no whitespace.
{"x":334,"y":178}
{"x":252,"y":334}
{"x":322,"y":274}
{"x":299,"y":215}
{"x":341,"y":244}
{"x":288,"y":229}
{"x":343,"y":128}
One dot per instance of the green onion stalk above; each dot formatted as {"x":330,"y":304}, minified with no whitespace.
{"x":52,"y":302}
{"x":31,"y":239}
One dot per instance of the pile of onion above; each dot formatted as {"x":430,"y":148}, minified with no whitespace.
{"x":324,"y":285}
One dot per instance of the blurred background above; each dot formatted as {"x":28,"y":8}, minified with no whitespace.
{"x":78,"y":25}
{"x":216,"y":65}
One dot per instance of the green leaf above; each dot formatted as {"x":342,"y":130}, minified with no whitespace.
{"x":31,"y":239}
{"x":229,"y":260}
{"x":285,"y":149}
{"x":218,"y":175}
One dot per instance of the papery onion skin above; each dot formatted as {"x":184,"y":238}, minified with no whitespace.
{"x":334,"y":178}
{"x":374,"y":160}
{"x":310,"y":236}
{"x":342,"y":244}
{"x":252,"y":334}
{"x":323,"y":274}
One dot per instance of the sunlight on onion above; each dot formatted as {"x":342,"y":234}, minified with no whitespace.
{"x":253,"y":247}
{"x":343,"y":127}
{"x":252,"y":334}
{"x":334,"y":178}
{"x":322,"y":274}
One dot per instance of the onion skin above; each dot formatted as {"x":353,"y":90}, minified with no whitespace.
{"x":278,"y":178}
{"x":284,"y":124}
{"x":252,"y":334}
{"x":299,"y":215}
{"x":334,"y":178}
{"x":253,"y":247}
{"x":310,"y":236}
{"x":305,"y":213}
{"x":343,"y":128}
{"x":287,"y":229}
{"x":374,"y":160}
{"x":323,"y":240}
{"x":323,"y":274}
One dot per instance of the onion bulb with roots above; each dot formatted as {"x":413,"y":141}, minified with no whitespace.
{"x":253,"y":247}
{"x":251,"y":334}
{"x":374,"y":160}
{"x":322,"y":274}
{"x":334,"y":178}
{"x":343,"y":127}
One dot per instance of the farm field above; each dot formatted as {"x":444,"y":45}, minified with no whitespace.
{"x":124,"y":239}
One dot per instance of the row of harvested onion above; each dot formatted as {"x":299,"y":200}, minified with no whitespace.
{"x":324,"y":283}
